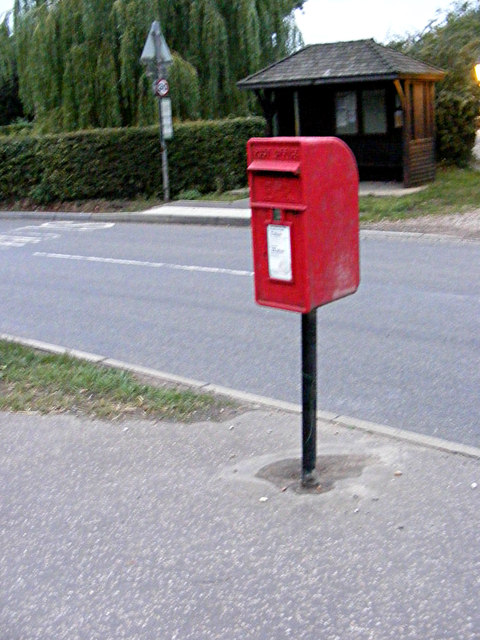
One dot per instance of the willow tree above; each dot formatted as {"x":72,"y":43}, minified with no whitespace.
{"x":10,"y":105}
{"x":78,"y":60}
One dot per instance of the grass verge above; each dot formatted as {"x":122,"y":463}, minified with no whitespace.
{"x":454,"y":191}
{"x":226,"y":196}
{"x":33,"y":381}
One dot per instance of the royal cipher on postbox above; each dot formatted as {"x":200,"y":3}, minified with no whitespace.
{"x":305,"y":225}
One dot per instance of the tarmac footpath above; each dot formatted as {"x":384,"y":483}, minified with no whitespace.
{"x":152,"y":530}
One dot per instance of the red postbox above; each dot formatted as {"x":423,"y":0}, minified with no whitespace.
{"x":305,"y":226}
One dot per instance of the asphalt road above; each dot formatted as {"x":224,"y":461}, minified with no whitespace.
{"x":404,"y":350}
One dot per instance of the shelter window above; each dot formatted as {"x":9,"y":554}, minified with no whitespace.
{"x":346,"y":112}
{"x":374,"y":111}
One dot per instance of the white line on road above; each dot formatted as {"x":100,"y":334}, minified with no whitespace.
{"x":67,"y":225}
{"x":10,"y":240}
{"x":144,"y":263}
{"x":34,"y":233}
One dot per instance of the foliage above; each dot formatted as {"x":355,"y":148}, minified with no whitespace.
{"x":453,"y":43}
{"x":186,"y":93}
{"x":78,"y":60}
{"x":10,"y":105}
{"x":124,"y":163}
{"x":19,"y":167}
{"x":18,"y":128}
{"x":456,"y":119}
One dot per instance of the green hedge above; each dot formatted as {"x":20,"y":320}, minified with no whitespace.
{"x":124,"y":163}
{"x":16,"y":129}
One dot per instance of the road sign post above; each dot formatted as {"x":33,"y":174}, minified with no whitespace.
{"x":157,"y":58}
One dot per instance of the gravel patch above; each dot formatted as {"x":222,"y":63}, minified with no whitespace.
{"x":460,"y":225}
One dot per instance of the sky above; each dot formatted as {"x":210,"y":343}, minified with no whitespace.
{"x":336,"y":20}
{"x":383,"y":20}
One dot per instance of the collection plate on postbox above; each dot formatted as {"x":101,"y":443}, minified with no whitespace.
{"x":305,"y":225}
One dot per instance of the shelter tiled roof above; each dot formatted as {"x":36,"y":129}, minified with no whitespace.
{"x":340,"y":62}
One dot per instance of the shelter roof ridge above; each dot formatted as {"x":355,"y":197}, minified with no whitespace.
{"x":325,"y":63}
{"x":277,"y":62}
{"x":388,"y":52}
{"x":380,"y":52}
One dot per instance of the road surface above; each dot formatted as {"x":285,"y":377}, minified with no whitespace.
{"x":403,"y":351}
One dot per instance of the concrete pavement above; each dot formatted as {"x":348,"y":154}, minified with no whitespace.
{"x":145,"y":530}
{"x":166,"y":214}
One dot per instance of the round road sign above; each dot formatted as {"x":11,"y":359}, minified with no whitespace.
{"x":161,"y":88}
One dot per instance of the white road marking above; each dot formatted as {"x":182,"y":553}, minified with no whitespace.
{"x":67,"y":225}
{"x":144,"y":263}
{"x":34,"y":233}
{"x":11,"y":240}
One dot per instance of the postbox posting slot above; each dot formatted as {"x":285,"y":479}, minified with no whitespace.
{"x":275,"y":166}
{"x":275,"y":183}
{"x":286,"y":207}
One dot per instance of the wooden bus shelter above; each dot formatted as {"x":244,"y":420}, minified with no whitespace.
{"x":376,"y":99}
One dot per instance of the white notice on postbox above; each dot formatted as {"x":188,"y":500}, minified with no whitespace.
{"x":279,"y":252}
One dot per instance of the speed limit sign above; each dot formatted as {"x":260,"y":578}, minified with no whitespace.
{"x":161,"y":88}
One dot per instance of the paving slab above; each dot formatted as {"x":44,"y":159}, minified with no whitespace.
{"x":146,"y":530}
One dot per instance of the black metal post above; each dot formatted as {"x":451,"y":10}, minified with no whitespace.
{"x":309,"y":398}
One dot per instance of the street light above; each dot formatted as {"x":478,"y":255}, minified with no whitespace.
{"x":477,"y":70}
{"x":157,"y":59}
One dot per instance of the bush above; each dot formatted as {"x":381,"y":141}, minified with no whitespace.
{"x":20,"y":169}
{"x":125,"y":163}
{"x":16,"y":129}
{"x":456,"y":116}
